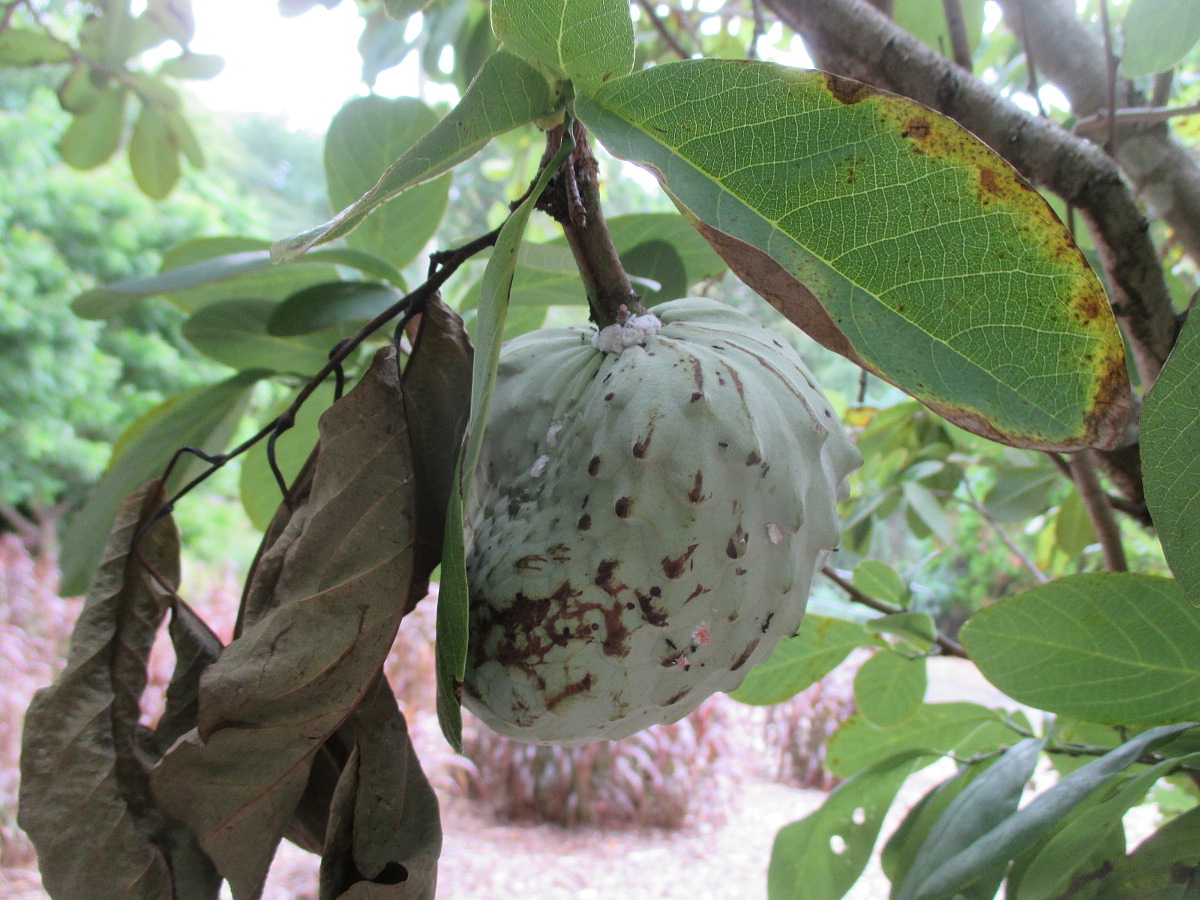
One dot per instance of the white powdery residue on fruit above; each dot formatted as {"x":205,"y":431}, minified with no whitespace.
{"x":539,"y":466}
{"x":635,"y":332}
{"x":774,"y":533}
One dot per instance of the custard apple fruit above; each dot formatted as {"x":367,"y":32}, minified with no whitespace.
{"x":646,"y":519}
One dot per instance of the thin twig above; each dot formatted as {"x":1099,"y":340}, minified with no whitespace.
{"x":1035,"y":89}
{"x":960,"y":42}
{"x":1110,"y":62}
{"x":760,"y":28}
{"x":1162,"y":88}
{"x":1144,"y":115}
{"x":663,"y":31}
{"x":949,"y":646}
{"x":1083,"y":473}
{"x":971,"y":501}
{"x":1120,"y":504}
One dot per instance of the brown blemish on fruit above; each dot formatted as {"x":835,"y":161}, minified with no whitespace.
{"x":594,"y":465}
{"x":615,"y":631}
{"x":643,"y":443}
{"x":675,"y":698}
{"x":697,"y":494}
{"x":584,"y":523}
{"x":532,"y":562}
{"x":700,"y":589}
{"x":624,"y":507}
{"x":653,"y":616}
{"x":741,"y":660}
{"x":736,"y":548}
{"x":605,"y":573}
{"x":673,"y":568}
{"x":737,"y":383}
{"x":560,"y":553}
{"x":753,"y":459}
{"x":583,"y":685}
{"x":609,"y":395}
{"x":739,"y":571}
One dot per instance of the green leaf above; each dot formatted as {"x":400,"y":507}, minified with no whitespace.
{"x":984,"y":804}
{"x":1073,"y":529}
{"x":257,"y":486}
{"x":506,"y":93}
{"x":805,"y":862}
{"x":1024,"y":828}
{"x":925,"y":505}
{"x":209,"y":270}
{"x":657,"y":260}
{"x":22,"y":47}
{"x":234,"y":332}
{"x":889,"y":687}
{"x":1152,"y":871}
{"x":365,"y":137}
{"x":154,"y":153}
{"x":331,"y":305}
{"x":292,"y":677}
{"x":1169,"y":437}
{"x":1118,"y":649}
{"x":1020,"y":493}
{"x":1050,"y":872}
{"x":83,"y":761}
{"x":588,"y":41}
{"x":879,"y":580}
{"x":935,"y":728}
{"x":798,"y":662}
{"x":201,"y":66}
{"x":916,"y":628}
{"x":927,"y":22}
{"x":947,"y":274}
{"x":454,"y":593}
{"x":1158,"y":35}
{"x":187,"y":139}
{"x":95,"y":134}
{"x":203,"y":417}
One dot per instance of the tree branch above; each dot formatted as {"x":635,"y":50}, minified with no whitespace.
{"x":663,"y":32}
{"x":956,"y":24}
{"x":1095,"y":501}
{"x":949,"y":646}
{"x":1164,"y":172}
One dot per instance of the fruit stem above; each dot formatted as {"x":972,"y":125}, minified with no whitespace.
{"x":573,"y":200}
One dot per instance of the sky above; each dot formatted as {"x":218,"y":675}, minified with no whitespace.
{"x":303,"y":67}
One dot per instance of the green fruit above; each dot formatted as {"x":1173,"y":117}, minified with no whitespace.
{"x":645,"y":523}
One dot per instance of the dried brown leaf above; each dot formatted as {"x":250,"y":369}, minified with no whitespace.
{"x":196,"y":648}
{"x":294,"y":675}
{"x":83,"y":753}
{"x":437,"y":396}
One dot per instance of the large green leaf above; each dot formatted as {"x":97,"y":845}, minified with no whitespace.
{"x":366,"y":136}
{"x":1024,"y":828}
{"x":454,"y":594}
{"x":22,"y":47}
{"x":1153,"y":870}
{"x":889,"y":687}
{"x":935,"y":728}
{"x":234,"y":332}
{"x":800,"y":661}
{"x":209,"y":270}
{"x":1119,"y":649}
{"x":337,"y":303}
{"x":804,"y":863}
{"x":890,"y":234}
{"x":95,"y":133}
{"x":1170,"y":436}
{"x":1158,"y":35}
{"x":293,"y":676}
{"x":589,"y":41}
{"x":203,"y":417}
{"x":154,"y":152}
{"x":983,"y":804}
{"x":506,"y":93}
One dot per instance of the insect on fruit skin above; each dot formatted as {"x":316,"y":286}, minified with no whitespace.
{"x":646,"y":520}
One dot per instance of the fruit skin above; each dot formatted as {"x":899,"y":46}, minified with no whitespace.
{"x":644,"y":525}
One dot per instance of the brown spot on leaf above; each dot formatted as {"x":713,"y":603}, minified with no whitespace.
{"x":989,"y":181}
{"x":916,"y":129}
{"x":673,"y":568}
{"x":846,"y":90}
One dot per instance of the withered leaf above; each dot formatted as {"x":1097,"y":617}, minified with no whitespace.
{"x":84,"y":798}
{"x":437,"y":396}
{"x":384,"y":829}
{"x":293,"y":676}
{"x":196,"y":648}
